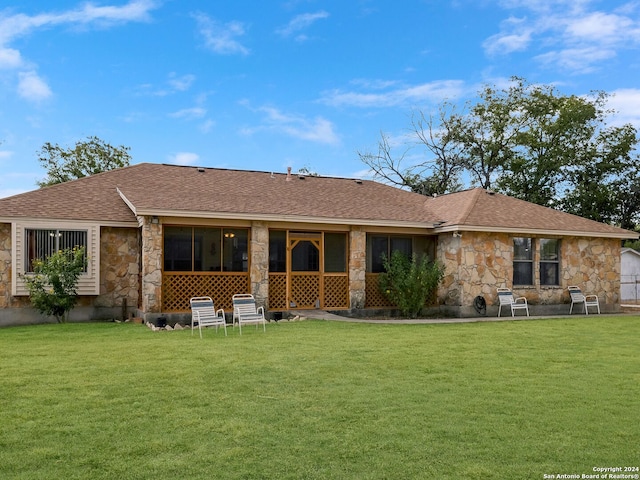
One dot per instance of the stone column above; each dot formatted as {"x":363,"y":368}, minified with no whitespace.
{"x":259,"y":274}
{"x":5,"y":264}
{"x":151,"y":266}
{"x":357,"y":267}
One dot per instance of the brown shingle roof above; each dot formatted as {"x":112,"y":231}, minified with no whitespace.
{"x":479,"y":209}
{"x":190,"y":191}
{"x":154,"y":189}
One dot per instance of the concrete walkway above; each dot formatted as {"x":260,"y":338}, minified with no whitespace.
{"x":323,"y":315}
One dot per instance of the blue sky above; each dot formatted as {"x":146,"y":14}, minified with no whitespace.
{"x":263,"y":85}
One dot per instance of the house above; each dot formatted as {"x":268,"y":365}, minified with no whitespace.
{"x":157,"y":235}
{"x":630,"y":276}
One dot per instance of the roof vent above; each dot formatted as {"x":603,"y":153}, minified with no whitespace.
{"x":301,"y":177}
{"x":358,"y":181}
{"x":288,"y":179}
{"x":490,"y":192}
{"x":200,"y":169}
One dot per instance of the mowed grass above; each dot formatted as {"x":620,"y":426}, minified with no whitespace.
{"x":321,"y":400}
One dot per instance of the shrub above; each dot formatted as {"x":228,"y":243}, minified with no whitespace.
{"x":410,"y":282}
{"x":52,"y":285}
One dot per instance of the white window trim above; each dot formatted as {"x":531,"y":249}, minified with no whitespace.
{"x":88,"y":283}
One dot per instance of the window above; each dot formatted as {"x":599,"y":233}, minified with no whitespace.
{"x":42,"y":243}
{"x":200,"y":249}
{"x":379,"y":246}
{"x":522,"y":261}
{"x":549,"y":261}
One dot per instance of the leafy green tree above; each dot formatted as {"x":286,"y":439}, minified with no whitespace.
{"x":596,"y":182}
{"x":530,"y":142}
{"x":53,"y":283}
{"x":86,"y":158}
{"x":409,"y":282}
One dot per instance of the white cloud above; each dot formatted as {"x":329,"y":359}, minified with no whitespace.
{"x":436,"y":91}
{"x":189,"y":113}
{"x":13,"y":26}
{"x":10,"y":58}
{"x":626,"y":103}
{"x":578,"y":60}
{"x":570,"y":34}
{"x":318,"y":130}
{"x":221,"y":38}
{"x":181,"y":83}
{"x":207,"y":126}
{"x":32,"y":87}
{"x":4,"y":154}
{"x":184,"y":158}
{"x":517,"y":38}
{"x":301,"y":22}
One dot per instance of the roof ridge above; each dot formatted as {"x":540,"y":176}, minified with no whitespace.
{"x":472,"y":203}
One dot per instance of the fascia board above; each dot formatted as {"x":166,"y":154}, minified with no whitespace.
{"x":524,"y":231}
{"x":281,"y":218}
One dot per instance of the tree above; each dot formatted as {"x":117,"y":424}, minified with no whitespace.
{"x":410,"y":282}
{"x":553,"y":133}
{"x":530,"y":142}
{"x":436,"y":175}
{"x":52,"y":285}
{"x":486,"y":134}
{"x":88,"y":157}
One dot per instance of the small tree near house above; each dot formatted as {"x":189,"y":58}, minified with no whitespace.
{"x":410,"y":282}
{"x":53,"y":283}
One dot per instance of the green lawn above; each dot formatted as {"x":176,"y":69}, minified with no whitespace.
{"x":321,"y":400}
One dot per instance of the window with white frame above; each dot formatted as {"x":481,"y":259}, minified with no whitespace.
{"x":42,"y":243}
{"x":37,"y":240}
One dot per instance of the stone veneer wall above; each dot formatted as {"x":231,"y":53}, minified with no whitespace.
{"x":357,"y":267}
{"x":151,"y":301}
{"x":478,"y":263}
{"x":259,"y":251}
{"x":119,"y":268}
{"x":6,"y":300}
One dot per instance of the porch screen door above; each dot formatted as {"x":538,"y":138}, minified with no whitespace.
{"x":305,"y":259}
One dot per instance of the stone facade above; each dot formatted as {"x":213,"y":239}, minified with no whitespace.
{"x":478,"y":263}
{"x":357,"y":268}
{"x":151,"y":301}
{"x":259,"y":251}
{"x":119,"y":268}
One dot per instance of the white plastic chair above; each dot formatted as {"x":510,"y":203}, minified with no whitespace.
{"x":506,"y":298}
{"x":587,"y":300}
{"x":245,"y":311}
{"x":203,"y":312}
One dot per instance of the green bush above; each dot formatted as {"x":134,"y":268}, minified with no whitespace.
{"x":410,"y":282}
{"x":52,"y":285}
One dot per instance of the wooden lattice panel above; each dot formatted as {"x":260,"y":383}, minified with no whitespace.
{"x":177,"y":289}
{"x":305,"y":290}
{"x":374,"y":297}
{"x":278,"y":291}
{"x":336,"y":291}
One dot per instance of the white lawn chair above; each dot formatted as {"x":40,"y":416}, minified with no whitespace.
{"x":587,"y":300}
{"x":507,"y":299}
{"x":203,"y":312}
{"x":245,"y":311}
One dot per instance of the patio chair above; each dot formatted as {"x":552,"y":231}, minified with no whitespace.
{"x":506,"y":297}
{"x":204,"y":313}
{"x":587,"y":300}
{"x":245,"y":311}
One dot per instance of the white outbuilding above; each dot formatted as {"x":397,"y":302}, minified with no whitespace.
{"x":630,"y":275}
